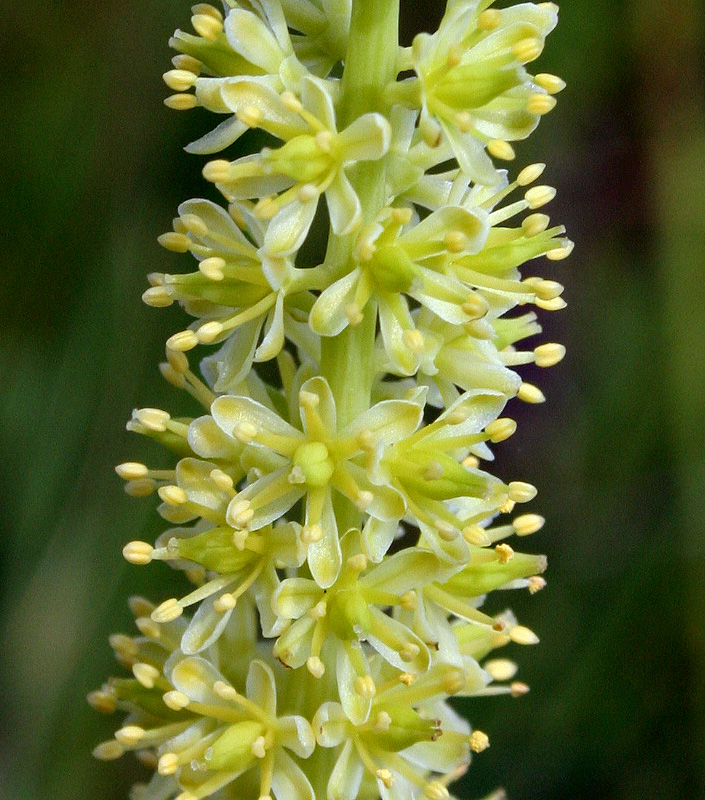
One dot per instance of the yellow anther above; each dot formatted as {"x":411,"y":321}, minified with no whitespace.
{"x":548,"y":355}
{"x":177,"y":360}
{"x":131,"y":470}
{"x":471,"y":462}
{"x":240,"y":513}
{"x":102,"y":700}
{"x":259,"y":747}
{"x":130,"y":735}
{"x":547,"y":290}
{"x":501,"y":429}
{"x":217,"y":171}
{"x":476,"y":535}
{"x":225,"y":691}
{"x":240,"y":539}
{"x":365,"y":687}
{"x":172,"y":495}
{"x":250,"y":116}
{"x":501,"y":149}
{"x":222,"y":480}
{"x":413,"y":340}
{"x":407,"y":678}
{"x":194,"y":224}
{"x":529,"y":393}
{"x":175,"y":700}
{"x":168,"y":764}
{"x":453,"y":56}
{"x":409,"y":652}
{"x":354,"y":314}
{"x":478,"y":741}
{"x":518,"y":689}
{"x":434,"y":472}
{"x":309,"y":400}
{"x":555,"y":304}
{"x":319,"y":610}
{"x":315,"y":666}
{"x":307,"y":192}
{"x":180,"y":80}
{"x":207,"y":25}
{"x":357,"y":563}
{"x":188,"y":63}
{"x":138,"y":553}
{"x":324,"y":141}
{"x":291,"y":102}
{"x":453,"y":681}
{"x":152,"y":418}
{"x":386,"y":777}
{"x":244,"y":432}
{"x":108,"y":751}
{"x":526,"y":50}
{"x":464,"y":121}
{"x":409,"y":600}
{"x":455,"y":241}
{"x":536,"y":583}
{"x":549,"y":83}
{"x":148,"y":628}
{"x":226,"y":602}
{"x":181,"y":102}
{"x":157,"y":297}
{"x":176,"y":242}
{"x":146,"y":674}
{"x":527,"y":524}
{"x":504,"y":553}
{"x":535,"y":224}
{"x":475,"y":306}
{"x":435,"y":790}
{"x":530,"y":174}
{"x":123,"y":646}
{"x":508,"y":507}
{"x":310,"y":534}
{"x":489,"y":20}
{"x":167,"y":611}
{"x":446,"y":531}
{"x":500,"y":669}
{"x":383,"y":722}
{"x":209,"y":332}
{"x":457,"y":415}
{"x":520,"y":634}
{"x":213,"y":268}
{"x":521,"y":492}
{"x":182,"y":341}
{"x":559,"y":253}
{"x":539,"y":196}
{"x":401,"y":216}
{"x":540,"y":104}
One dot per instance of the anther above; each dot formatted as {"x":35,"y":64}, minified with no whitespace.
{"x":409,"y":652}
{"x":167,"y":611}
{"x":471,"y":462}
{"x":446,"y":531}
{"x":131,"y":470}
{"x":258,"y":747}
{"x":476,"y":535}
{"x":212,"y":268}
{"x":226,"y":602}
{"x":548,"y":290}
{"x":526,"y":50}
{"x":176,"y":700}
{"x":207,"y":25}
{"x":530,"y":174}
{"x":175,"y":242}
{"x":310,"y":534}
{"x":520,"y":634}
{"x":152,"y":418}
{"x":500,"y":669}
{"x":365,"y":687}
{"x":319,"y":610}
{"x":168,"y":764}
{"x":138,"y":553}
{"x":291,"y":102}
{"x":464,"y":121}
{"x":188,"y":63}
{"x":453,"y":681}
{"x":209,"y":332}
{"x":147,"y":627}
{"x":172,"y":495}
{"x":386,"y":777}
{"x":413,"y":340}
{"x":475,"y":306}
{"x":146,"y":674}
{"x":409,"y":600}
{"x":177,"y":360}
{"x":157,"y":297}
{"x":504,"y":553}
{"x":130,"y":735}
{"x":548,"y":355}
{"x":217,"y":171}
{"x":324,"y":141}
{"x":540,"y":104}
{"x":539,"y":196}
{"x":364,"y":500}
{"x":383,"y":722}
{"x":521,"y":492}
{"x":315,"y":666}
{"x":181,"y":102}
{"x":478,"y":741}
{"x":354,"y":314}
{"x":536,"y":583}
{"x":123,"y":646}
{"x":501,"y":150}
{"x":222,"y":480}
{"x":435,"y":790}
{"x":108,"y":751}
{"x":307,"y":192}
{"x":501,"y":429}
{"x":489,"y":20}
{"x":455,"y":241}
{"x":529,"y":393}
{"x":225,"y":691}
{"x":554,"y":304}
{"x":559,"y":253}
{"x":453,"y":56}
{"x":534,"y":224}
{"x":357,"y":563}
{"x":250,"y":116}
{"x":142,"y":487}
{"x":103,"y":701}
{"x":518,"y":689}
{"x":549,"y":83}
{"x":182,"y":341}
{"x":527,"y":524}
{"x":240,"y":513}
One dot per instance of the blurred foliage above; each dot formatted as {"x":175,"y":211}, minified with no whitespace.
{"x":92,"y":172}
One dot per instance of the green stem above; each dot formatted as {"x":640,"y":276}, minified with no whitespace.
{"x":370,"y":64}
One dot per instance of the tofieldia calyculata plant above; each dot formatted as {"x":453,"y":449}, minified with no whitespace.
{"x":333,"y":511}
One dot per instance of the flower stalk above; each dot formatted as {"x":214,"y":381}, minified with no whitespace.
{"x":336,"y":519}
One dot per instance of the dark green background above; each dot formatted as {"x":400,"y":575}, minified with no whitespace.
{"x":92,"y":171}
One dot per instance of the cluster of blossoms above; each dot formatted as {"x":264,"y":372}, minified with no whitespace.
{"x":331,"y":510}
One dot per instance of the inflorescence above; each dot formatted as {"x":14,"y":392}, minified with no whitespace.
{"x":333,"y":513}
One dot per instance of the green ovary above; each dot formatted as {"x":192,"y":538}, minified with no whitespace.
{"x":392,"y":269}
{"x":301,"y":159}
{"x":315,"y":464}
